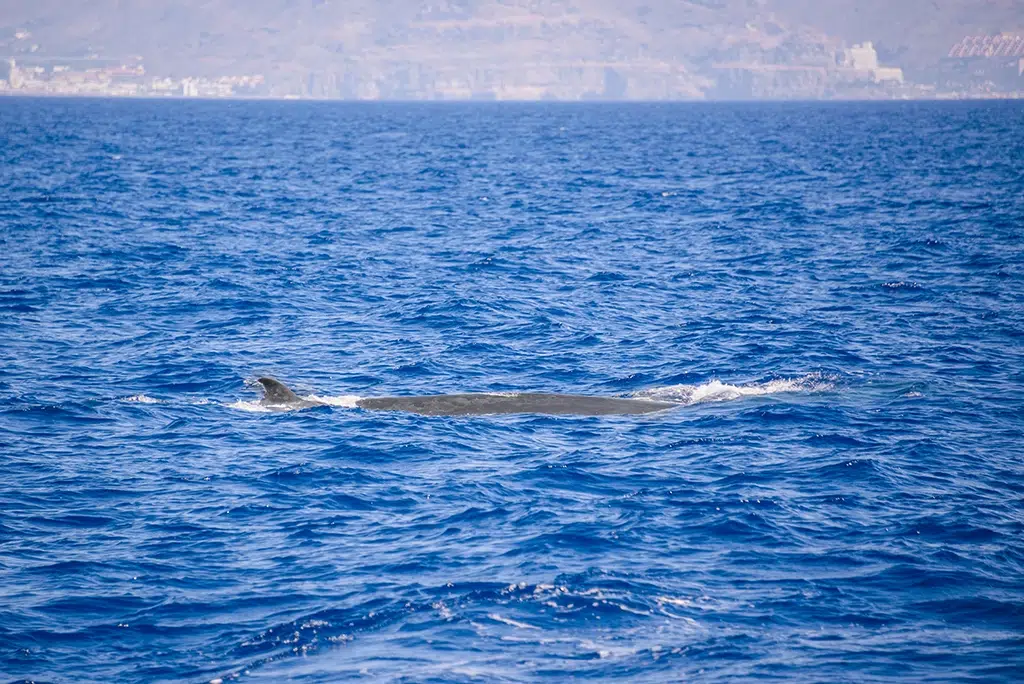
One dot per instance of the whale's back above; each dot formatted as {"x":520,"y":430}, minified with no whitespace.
{"x":484,"y":404}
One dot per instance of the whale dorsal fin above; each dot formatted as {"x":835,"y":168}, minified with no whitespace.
{"x":275,"y":392}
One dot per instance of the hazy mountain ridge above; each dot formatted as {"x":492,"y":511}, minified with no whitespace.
{"x":510,"y":48}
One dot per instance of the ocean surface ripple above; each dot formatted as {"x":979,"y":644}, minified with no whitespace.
{"x":833,"y":293}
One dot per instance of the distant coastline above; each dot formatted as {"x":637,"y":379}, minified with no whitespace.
{"x":932,"y":97}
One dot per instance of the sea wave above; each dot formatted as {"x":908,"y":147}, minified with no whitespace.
{"x":141,"y":399}
{"x":716,"y":390}
{"x":870,"y":528}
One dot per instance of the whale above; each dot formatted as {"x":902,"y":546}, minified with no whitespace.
{"x":278,"y":396}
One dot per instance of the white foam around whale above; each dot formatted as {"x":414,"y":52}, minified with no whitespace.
{"x":250,"y":406}
{"x":344,"y":400}
{"x":254,"y":406}
{"x":716,"y":390}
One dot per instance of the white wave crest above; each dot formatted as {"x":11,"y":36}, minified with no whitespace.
{"x":511,"y":622}
{"x":142,"y":399}
{"x":716,"y":390}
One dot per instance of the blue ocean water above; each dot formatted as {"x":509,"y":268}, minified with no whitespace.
{"x":834,"y":293}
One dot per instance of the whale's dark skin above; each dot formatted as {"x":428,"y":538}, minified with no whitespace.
{"x":276,"y":394}
{"x":527,"y":402}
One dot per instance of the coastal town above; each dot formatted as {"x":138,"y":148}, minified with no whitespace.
{"x":106,"y":78}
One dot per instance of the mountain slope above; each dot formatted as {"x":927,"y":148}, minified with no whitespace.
{"x":517,"y":48}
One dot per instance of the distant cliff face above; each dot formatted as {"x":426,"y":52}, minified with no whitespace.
{"x":522,"y":49}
